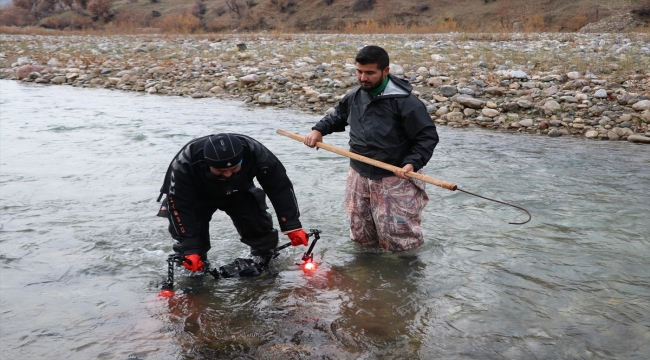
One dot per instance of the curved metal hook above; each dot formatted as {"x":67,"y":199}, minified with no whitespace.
{"x":501,"y":202}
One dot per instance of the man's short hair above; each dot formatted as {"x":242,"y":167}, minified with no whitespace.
{"x":372,"y":54}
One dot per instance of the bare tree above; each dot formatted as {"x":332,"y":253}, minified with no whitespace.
{"x":234,"y":7}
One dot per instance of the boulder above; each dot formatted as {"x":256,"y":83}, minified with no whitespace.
{"x":490,"y":112}
{"x":250,"y":79}
{"x":518,"y":74}
{"x":448,"y":90}
{"x":641,"y":105}
{"x":601,"y":94}
{"x":470,"y":102}
{"x":636,"y":138}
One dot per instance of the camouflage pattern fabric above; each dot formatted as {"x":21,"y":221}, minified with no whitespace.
{"x":385,"y":212}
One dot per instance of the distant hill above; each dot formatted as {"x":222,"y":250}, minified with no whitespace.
{"x":319,"y":15}
{"x":332,"y":15}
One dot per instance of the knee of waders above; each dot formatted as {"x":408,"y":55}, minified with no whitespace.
{"x":260,"y":197}
{"x":262,"y":245}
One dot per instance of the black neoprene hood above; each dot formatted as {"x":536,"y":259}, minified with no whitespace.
{"x":222,"y":151}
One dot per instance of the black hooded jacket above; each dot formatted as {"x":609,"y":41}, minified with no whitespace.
{"x":189,"y":180}
{"x":394,"y":128}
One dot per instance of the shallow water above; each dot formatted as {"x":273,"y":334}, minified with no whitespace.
{"x":82,"y":253}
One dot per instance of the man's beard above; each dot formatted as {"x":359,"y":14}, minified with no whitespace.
{"x":374,"y":86}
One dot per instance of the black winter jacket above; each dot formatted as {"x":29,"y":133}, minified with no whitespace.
{"x":394,"y":128}
{"x":189,"y":180}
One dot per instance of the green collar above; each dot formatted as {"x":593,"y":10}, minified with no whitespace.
{"x":380,"y":89}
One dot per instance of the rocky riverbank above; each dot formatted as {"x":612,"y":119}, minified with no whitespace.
{"x":591,"y":85}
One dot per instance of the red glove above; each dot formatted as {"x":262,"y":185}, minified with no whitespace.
{"x":193,"y":262}
{"x":298,"y":237}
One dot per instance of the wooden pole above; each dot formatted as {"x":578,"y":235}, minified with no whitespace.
{"x":367,"y":160}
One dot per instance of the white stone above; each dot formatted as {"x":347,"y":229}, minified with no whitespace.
{"x":250,"y":79}
{"x":396,"y":69}
{"x":518,"y":74}
{"x":526,"y":122}
{"x":641,"y":105}
{"x":639,"y":139}
{"x":490,"y":112}
{"x":264,"y":99}
{"x":601,"y":94}
{"x":573,"y":75}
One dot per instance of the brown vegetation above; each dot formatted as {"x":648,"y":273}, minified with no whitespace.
{"x":356,"y":16}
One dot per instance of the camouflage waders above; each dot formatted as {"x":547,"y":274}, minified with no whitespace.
{"x":385,"y":212}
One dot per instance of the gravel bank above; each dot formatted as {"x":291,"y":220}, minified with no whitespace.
{"x":592,"y":85}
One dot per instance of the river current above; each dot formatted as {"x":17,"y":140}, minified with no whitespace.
{"x":82,"y":252}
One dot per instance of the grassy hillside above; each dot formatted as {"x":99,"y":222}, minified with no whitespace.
{"x":338,"y":15}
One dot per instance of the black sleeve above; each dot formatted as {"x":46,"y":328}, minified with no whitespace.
{"x":336,"y":121}
{"x":182,"y":193}
{"x":272,"y":176}
{"x":421,"y":131}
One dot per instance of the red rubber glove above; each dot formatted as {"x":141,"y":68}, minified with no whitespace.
{"x":298,"y":237}
{"x":193,"y":262}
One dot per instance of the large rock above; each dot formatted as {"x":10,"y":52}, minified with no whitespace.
{"x":639,"y":139}
{"x":470,"y":102}
{"x":24,"y":71}
{"x":550,"y":91}
{"x":490,"y":112}
{"x":264,"y":99}
{"x":601,"y":94}
{"x":526,"y":122}
{"x":59,"y":79}
{"x":495,"y":91}
{"x":448,"y":90}
{"x":518,"y":74}
{"x":612,"y":136}
{"x":641,"y":105}
{"x":250,"y":79}
{"x":551,"y":106}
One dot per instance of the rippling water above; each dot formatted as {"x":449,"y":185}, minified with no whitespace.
{"x":81,"y":251}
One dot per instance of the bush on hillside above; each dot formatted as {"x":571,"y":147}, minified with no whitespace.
{"x":642,"y":11}
{"x":179,"y":23}
{"x":100,"y":9}
{"x":14,"y":16}
{"x":363,"y":5}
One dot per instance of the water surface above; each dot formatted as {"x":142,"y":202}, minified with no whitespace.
{"x":82,"y":253}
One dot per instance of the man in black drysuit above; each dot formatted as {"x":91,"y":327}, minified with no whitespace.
{"x":216,"y":172}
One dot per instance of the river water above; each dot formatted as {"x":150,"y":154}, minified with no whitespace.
{"x":82,"y":253}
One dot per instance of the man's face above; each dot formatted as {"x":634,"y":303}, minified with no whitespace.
{"x":225,"y":172}
{"x":370,"y":76}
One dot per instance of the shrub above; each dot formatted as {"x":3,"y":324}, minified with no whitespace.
{"x":363,"y":5}
{"x":81,"y":22}
{"x":15,"y":16}
{"x":179,"y":23}
{"x":100,"y":9}
{"x":328,"y":2}
{"x":199,"y":9}
{"x":642,"y":11}
{"x":220,"y":11}
{"x":56,"y":22}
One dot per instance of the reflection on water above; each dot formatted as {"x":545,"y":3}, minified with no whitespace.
{"x":81,"y":252}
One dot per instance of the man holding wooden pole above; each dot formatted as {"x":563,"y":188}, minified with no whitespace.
{"x":390,"y":124}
